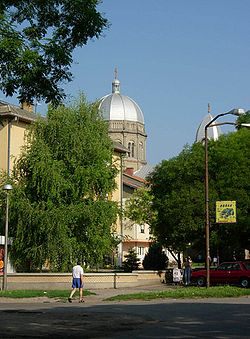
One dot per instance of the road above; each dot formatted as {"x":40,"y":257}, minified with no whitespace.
{"x":200,"y":318}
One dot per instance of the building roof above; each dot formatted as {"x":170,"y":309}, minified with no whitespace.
{"x":212,"y":132}
{"x":144,"y":171}
{"x":7,"y":110}
{"x":133,"y":181}
{"x":116,"y":106}
{"x":119,"y":147}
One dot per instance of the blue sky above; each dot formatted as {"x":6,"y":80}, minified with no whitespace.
{"x":173,"y":58}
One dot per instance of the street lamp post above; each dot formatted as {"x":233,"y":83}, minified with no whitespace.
{"x":237,"y":112}
{"x":121,"y":208}
{"x":6,"y":188}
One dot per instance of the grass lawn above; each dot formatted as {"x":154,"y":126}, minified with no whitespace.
{"x":187,"y":293}
{"x":40,"y":293}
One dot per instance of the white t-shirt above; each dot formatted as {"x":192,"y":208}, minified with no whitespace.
{"x":77,"y":271}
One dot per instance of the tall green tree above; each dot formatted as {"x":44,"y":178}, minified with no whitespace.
{"x":139,"y":209}
{"x":37,"y":39}
{"x":59,"y":206}
{"x":229,"y":175}
{"x":178,"y":188}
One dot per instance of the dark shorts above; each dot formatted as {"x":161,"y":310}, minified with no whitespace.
{"x":77,"y":283}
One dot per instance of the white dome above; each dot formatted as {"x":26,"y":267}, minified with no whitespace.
{"x":117,"y":106}
{"x":212,"y":132}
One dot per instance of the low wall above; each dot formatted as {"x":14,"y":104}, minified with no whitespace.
{"x":62,"y":281}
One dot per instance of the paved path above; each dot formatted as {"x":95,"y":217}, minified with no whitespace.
{"x":96,"y":298}
{"x":168,"y":318}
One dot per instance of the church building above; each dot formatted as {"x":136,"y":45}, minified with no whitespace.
{"x":126,"y":125}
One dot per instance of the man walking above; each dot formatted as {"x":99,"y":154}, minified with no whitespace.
{"x":77,"y":274}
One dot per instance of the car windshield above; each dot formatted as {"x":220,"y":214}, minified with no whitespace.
{"x":246,"y":265}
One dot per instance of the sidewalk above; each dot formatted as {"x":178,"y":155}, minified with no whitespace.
{"x":97,"y":298}
{"x":101,"y":294}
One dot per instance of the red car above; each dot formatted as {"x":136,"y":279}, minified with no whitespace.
{"x":236,"y":272}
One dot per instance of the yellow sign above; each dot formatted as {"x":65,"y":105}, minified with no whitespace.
{"x":225,"y":211}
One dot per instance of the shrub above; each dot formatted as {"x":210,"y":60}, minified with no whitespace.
{"x":155,"y":259}
{"x":132,"y":262}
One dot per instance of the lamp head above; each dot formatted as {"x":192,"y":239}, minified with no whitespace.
{"x":245,"y":125}
{"x":7,"y":187}
{"x":237,"y":111}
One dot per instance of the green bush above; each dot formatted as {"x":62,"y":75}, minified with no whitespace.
{"x":155,"y":259}
{"x":132,"y":262}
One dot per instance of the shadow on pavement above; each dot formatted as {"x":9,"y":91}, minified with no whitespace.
{"x":142,"y":320}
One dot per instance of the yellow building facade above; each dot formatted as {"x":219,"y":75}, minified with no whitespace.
{"x":14,"y":123}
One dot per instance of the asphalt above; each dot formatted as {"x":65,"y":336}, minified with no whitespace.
{"x":99,"y":318}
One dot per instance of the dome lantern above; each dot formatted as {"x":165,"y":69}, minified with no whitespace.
{"x":116,"y":84}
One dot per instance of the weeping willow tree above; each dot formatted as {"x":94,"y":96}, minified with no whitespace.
{"x":59,"y":206}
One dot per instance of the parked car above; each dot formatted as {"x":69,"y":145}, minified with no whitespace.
{"x":236,"y":272}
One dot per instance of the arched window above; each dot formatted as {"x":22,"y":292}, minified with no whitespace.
{"x":131,"y":148}
{"x":140,"y":151}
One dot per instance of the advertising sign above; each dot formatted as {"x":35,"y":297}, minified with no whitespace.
{"x":177,"y":275}
{"x":225,"y":211}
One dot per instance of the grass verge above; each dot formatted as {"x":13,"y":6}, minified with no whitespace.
{"x":187,"y":293}
{"x":40,"y":293}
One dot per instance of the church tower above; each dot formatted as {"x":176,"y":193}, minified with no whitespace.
{"x":125,"y":125}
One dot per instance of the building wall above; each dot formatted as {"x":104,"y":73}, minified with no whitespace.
{"x":3,"y":144}
{"x":17,"y":138}
{"x":127,"y":132}
{"x":136,"y":237}
{"x":62,"y":281}
{"x":18,"y":131}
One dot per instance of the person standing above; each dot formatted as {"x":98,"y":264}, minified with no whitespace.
{"x":187,"y":271}
{"x":77,"y":282}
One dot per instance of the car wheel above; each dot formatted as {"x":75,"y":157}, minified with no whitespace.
{"x":244,"y":282}
{"x":201,"y":281}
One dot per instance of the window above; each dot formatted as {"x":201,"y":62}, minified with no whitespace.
{"x":229,"y":267}
{"x":131,"y":148}
{"x":140,"y":151}
{"x":222,"y":267}
{"x":235,"y":267}
{"x":140,"y":250}
{"x":247,"y":265}
{"x":142,"y":229}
